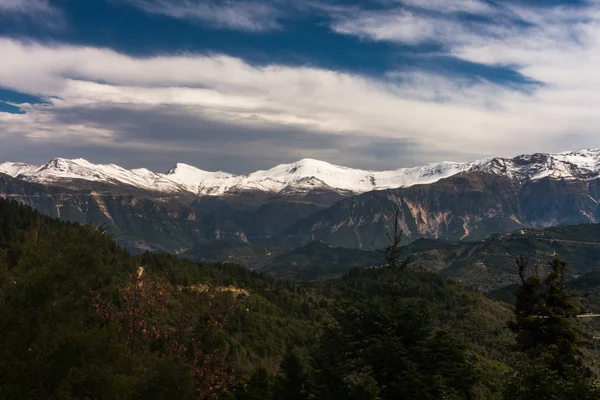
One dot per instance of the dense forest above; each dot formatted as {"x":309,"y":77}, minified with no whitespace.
{"x":80,"y":318}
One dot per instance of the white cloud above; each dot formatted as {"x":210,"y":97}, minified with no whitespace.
{"x":245,"y":15}
{"x":442,"y":114}
{"x":405,"y":26}
{"x":451,"y":6}
{"x":24,"y":6}
{"x":40,"y":11}
{"x":557,"y":46}
{"x":402,"y":26}
{"x":415,"y":26}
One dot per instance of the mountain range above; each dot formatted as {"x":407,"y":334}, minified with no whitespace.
{"x":305,"y":175}
{"x":290,"y":206}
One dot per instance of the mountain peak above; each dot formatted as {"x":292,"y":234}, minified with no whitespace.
{"x":194,"y":179}
{"x":62,"y":163}
{"x":308,"y":174}
{"x":313,"y":162}
{"x":15,"y":169}
{"x":181,"y":166}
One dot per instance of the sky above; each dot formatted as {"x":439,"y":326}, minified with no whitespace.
{"x":241,"y":85}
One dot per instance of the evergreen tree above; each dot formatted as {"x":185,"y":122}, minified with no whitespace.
{"x":291,"y":379}
{"x":387,"y":348}
{"x":551,"y":365}
{"x":258,"y":387}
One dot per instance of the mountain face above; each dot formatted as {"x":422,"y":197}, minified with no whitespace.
{"x":295,"y":204}
{"x":468,"y":206}
{"x":490,"y":264}
{"x":145,"y":220}
{"x":138,"y":220}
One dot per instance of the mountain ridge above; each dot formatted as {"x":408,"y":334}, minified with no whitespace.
{"x":469,"y":206}
{"x":307,"y":174}
{"x":294,"y":204}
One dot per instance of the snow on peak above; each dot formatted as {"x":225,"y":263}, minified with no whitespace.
{"x":59,"y":170}
{"x":16,"y":169}
{"x":580,"y":164}
{"x":196,"y":180}
{"x":307,"y":174}
{"x":188,"y":171}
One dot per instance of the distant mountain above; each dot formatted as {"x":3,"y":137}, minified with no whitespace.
{"x":292,"y":205}
{"x":490,"y":264}
{"x":300,"y":177}
{"x":485,"y":265}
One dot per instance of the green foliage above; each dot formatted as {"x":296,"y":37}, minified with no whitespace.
{"x":81,"y":318}
{"x":259,"y":387}
{"x":291,"y":383}
{"x":52,"y":344}
{"x":76,"y":322}
{"x":386,"y":346}
{"x":538,"y":378}
{"x":395,"y":348}
{"x":389,"y":349}
{"x":551,"y":363}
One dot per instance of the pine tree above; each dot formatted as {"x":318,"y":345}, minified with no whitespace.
{"x":291,"y":382}
{"x":393,"y":262}
{"x":387,"y":348}
{"x":258,"y":387}
{"x":551,"y":364}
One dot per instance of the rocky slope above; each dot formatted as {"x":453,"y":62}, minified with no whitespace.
{"x":145,"y":220}
{"x":468,"y":206}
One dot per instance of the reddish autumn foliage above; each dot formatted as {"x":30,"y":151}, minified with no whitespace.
{"x":144,"y":314}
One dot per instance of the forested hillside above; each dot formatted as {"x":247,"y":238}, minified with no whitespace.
{"x":81,"y":318}
{"x":484,"y":265}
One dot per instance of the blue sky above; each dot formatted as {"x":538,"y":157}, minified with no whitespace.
{"x":245,"y":84}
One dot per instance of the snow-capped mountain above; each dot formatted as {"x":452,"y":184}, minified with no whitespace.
{"x":580,"y":164}
{"x":60,"y":170}
{"x":306,"y":175}
{"x":295,"y":204}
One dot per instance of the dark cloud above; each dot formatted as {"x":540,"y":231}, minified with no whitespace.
{"x":158,"y":137}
